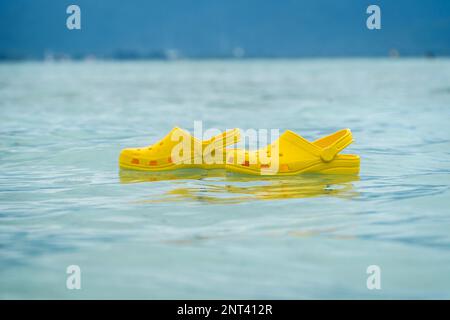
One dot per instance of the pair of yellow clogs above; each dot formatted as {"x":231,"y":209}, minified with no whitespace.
{"x":290,"y":154}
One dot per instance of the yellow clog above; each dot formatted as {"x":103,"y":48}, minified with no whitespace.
{"x":179,"y":150}
{"x":292,"y":154}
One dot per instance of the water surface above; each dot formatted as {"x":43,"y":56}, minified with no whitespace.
{"x":196,"y":234}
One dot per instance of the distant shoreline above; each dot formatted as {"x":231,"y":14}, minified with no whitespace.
{"x":212,"y":58}
{"x":174,"y":54}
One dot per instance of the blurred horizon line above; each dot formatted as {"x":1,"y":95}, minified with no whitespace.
{"x":173,"y":54}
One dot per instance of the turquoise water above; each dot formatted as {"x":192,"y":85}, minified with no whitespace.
{"x":63,"y":200}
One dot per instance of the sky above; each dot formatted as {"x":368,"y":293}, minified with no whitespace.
{"x":217,"y":28}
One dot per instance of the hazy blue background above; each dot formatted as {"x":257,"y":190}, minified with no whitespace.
{"x":212,"y":28}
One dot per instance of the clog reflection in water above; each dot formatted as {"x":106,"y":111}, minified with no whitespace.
{"x":218,"y":186}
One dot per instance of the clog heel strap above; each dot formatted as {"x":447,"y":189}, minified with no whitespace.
{"x":333,"y":144}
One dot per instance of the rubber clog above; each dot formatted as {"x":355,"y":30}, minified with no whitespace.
{"x":180,"y":150}
{"x":293,"y":154}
